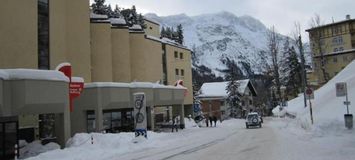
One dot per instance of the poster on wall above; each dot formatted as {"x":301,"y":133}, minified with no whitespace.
{"x":140,"y":115}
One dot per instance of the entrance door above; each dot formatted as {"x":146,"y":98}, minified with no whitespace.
{"x":8,"y":139}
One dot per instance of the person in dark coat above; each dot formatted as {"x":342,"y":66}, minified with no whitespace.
{"x":206,"y":121}
{"x":215,"y":120}
{"x":211,"y":121}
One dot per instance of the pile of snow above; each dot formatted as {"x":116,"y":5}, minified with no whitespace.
{"x":190,"y":123}
{"x":328,"y":110}
{"x":122,"y":145}
{"x":35,"y":148}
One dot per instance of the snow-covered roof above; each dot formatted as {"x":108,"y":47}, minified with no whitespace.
{"x":167,"y":41}
{"x":33,"y":74}
{"x":98,"y":16}
{"x":118,"y":21}
{"x":136,"y":27}
{"x":218,"y":89}
{"x":77,"y":79}
{"x":151,"y":20}
{"x":130,"y":85}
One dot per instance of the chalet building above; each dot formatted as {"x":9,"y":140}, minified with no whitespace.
{"x":114,"y":59}
{"x":213,"y":97}
{"x":332,"y":45}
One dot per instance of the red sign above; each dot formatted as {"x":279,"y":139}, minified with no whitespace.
{"x":75,"y":88}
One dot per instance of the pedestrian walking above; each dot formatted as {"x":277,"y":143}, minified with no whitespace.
{"x":177,"y":123}
{"x":215,"y":120}
{"x":172,"y":124}
{"x":206,"y":120}
{"x":210,"y":121}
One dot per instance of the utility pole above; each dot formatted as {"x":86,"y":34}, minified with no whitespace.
{"x":303,"y":74}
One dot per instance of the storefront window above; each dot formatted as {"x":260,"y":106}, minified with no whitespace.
{"x":46,"y":126}
{"x":91,"y":121}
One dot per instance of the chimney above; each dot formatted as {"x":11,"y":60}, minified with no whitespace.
{"x":348,"y":17}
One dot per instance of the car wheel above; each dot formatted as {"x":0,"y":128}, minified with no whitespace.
{"x":247,"y":126}
{"x":260,"y":125}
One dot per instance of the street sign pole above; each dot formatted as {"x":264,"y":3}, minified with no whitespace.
{"x":347,"y":103}
{"x":310,"y":110}
{"x":310,"y":96}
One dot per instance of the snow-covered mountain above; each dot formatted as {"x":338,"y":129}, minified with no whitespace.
{"x":216,"y":37}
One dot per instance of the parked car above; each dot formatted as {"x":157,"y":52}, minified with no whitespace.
{"x":253,"y":119}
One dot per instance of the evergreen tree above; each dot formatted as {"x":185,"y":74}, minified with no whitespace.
{"x":109,"y":11}
{"x":233,"y":73}
{"x":99,"y":7}
{"x":140,"y":21}
{"x":116,"y":12}
{"x":180,"y":36}
{"x":294,"y":82}
{"x":163,"y":32}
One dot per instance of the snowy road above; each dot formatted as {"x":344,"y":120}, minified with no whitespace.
{"x":231,"y":143}
{"x":279,"y":139}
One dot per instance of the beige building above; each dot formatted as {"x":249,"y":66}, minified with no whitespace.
{"x":333,"y":45}
{"x":40,"y":34}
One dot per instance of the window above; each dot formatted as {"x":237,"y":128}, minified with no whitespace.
{"x":335,"y":50}
{"x":341,"y":48}
{"x":250,"y":102}
{"x":150,"y":27}
{"x":182,"y":72}
{"x":90,"y":120}
{"x":43,"y":34}
{"x":177,"y":72}
{"x":181,"y":55}
{"x":176,"y":54}
{"x":335,"y":59}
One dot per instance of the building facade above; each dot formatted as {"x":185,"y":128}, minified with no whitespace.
{"x":40,"y":34}
{"x":333,"y":46}
{"x":213,"y":97}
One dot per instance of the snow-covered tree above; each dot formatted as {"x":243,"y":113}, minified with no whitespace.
{"x":99,"y":7}
{"x":233,"y":73}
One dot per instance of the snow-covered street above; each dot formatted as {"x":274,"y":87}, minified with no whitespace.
{"x":278,"y":139}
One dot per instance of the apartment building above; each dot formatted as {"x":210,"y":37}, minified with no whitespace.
{"x":40,"y":34}
{"x":332,"y":45}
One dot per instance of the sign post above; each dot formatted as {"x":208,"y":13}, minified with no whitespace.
{"x":76,"y":84}
{"x":341,"y":91}
{"x":140,"y":115}
{"x":310,"y":95}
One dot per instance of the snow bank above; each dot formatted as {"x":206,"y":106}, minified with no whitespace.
{"x":35,"y":148}
{"x":328,"y":110}
{"x":190,"y":123}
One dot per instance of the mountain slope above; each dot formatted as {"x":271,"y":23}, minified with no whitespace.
{"x":220,"y":36}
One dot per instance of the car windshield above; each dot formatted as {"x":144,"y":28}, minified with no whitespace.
{"x":250,"y":117}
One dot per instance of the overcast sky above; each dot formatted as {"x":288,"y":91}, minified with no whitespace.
{"x":280,"y":13}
